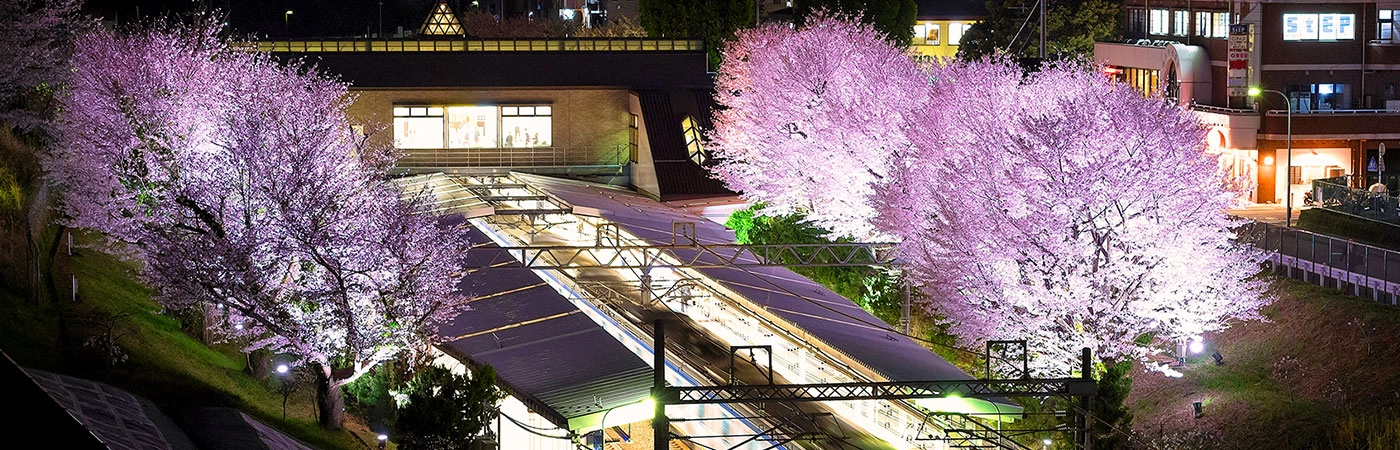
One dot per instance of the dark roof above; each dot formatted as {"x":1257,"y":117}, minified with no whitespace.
{"x":40,"y":412}
{"x":827,"y":316}
{"x":113,"y":416}
{"x":677,"y":175}
{"x":546,"y":352}
{"x":481,"y":69}
{"x":231,"y":429}
{"x":952,"y":9}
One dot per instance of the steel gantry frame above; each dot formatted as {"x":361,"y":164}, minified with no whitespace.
{"x":1082,"y":388}
{"x":696,"y":256}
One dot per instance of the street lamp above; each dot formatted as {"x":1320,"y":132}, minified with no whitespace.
{"x":383,"y":441}
{"x":1255,"y":92}
{"x":285,"y":386}
{"x":286,"y":24}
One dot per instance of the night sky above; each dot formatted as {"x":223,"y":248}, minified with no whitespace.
{"x":310,"y":18}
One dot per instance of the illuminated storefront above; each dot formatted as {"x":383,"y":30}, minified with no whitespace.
{"x":472,"y":126}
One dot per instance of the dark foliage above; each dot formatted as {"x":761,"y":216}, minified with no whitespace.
{"x":446,"y":411}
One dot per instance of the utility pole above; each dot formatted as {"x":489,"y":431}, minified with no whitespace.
{"x":660,"y":425}
{"x":1042,"y":30}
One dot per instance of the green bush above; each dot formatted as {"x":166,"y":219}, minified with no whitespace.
{"x":447,"y":411}
{"x":876,"y":290}
{"x":370,"y":397}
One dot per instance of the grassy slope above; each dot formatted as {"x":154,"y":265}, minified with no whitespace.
{"x":165,"y":364}
{"x":1287,"y":382}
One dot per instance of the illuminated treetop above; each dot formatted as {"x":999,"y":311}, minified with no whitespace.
{"x":1058,"y":206}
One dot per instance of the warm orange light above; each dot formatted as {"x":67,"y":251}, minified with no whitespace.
{"x":1268,"y":160}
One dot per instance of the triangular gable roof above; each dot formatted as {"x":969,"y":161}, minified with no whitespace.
{"x":441,"y":22}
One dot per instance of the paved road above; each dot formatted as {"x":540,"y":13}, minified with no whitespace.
{"x":1267,"y":213}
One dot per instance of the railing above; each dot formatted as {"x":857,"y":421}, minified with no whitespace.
{"x":483,"y":45}
{"x":1334,"y":194}
{"x":1362,"y":270}
{"x":1220,"y":109}
{"x":1282,"y":112}
{"x":512,"y":157}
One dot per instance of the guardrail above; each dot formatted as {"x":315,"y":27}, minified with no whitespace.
{"x":511,"y":157}
{"x":1220,"y":109}
{"x":482,"y":45}
{"x":1358,"y":269}
{"x":1282,"y":112}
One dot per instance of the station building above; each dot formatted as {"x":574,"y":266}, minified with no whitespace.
{"x":552,"y":141}
{"x":1335,"y":67}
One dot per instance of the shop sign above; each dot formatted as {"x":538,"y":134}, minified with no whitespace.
{"x":1238,"y":69}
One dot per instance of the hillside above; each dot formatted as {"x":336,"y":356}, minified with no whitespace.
{"x":1321,"y":372}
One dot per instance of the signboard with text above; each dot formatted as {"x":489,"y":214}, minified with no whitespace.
{"x":1241,"y":44}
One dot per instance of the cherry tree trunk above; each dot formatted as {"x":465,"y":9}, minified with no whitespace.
{"x":329,"y":400}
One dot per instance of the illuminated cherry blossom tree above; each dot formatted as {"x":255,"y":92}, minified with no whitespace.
{"x":1057,"y":207}
{"x":1068,"y":210}
{"x":813,"y":118}
{"x":34,"y":38}
{"x":248,"y":194}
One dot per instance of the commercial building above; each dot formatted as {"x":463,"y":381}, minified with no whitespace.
{"x":941,"y":23}
{"x":1335,"y":67}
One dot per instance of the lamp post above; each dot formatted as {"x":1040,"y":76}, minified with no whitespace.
{"x":1288,"y":186}
{"x":284,"y":387}
{"x":286,"y":24}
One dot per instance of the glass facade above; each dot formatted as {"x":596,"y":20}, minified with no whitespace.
{"x":472,"y":126}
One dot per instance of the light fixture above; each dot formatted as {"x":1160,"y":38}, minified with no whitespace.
{"x":1197,"y":345}
{"x":1268,"y":160}
{"x":1255,"y":91}
{"x":282,"y":369}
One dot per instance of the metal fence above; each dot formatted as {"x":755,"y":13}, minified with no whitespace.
{"x":1335,"y":194}
{"x":483,"y":45}
{"x":513,"y":157}
{"x":1362,"y":270}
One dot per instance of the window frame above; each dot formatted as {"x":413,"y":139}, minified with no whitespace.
{"x":501,"y":112}
{"x":1159,"y":22}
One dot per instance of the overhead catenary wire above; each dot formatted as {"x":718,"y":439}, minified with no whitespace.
{"x":569,"y":436}
{"x":1115,"y":428}
{"x":882,"y":326}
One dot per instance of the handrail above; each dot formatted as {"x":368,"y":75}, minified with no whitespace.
{"x":481,"y":45}
{"x":1220,"y":109}
{"x":1335,"y":111}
